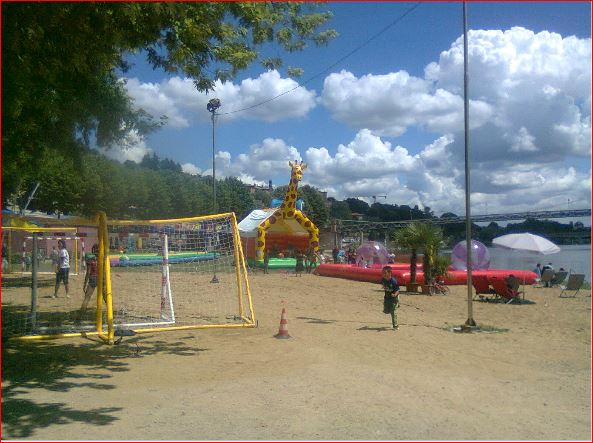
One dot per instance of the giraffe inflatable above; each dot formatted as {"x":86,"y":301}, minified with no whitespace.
{"x":288,"y":210}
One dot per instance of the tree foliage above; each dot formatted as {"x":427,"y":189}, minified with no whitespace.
{"x":314,"y":205}
{"x":340,"y":210}
{"x":60,"y":65}
{"x":358,"y":206}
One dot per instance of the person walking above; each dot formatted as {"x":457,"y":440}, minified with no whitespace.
{"x":391,"y":298}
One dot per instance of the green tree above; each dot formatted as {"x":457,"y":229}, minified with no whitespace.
{"x":340,"y":210}
{"x":358,"y":206}
{"x":234,"y":197}
{"x":279,"y":192}
{"x":60,"y":185}
{"x":262,"y":199}
{"x":61,"y":64}
{"x":315,"y":207}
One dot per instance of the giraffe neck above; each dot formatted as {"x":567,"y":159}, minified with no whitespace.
{"x":291,"y":194}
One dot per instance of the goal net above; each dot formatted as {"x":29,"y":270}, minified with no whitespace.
{"x":18,"y":248}
{"x":150,"y":276}
{"x":181,"y":273}
{"x":30,"y":258}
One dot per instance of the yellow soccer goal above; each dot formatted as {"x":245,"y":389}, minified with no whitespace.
{"x":179,"y":274}
{"x":150,"y":275}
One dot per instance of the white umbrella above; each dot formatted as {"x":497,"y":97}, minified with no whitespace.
{"x":526,"y":242}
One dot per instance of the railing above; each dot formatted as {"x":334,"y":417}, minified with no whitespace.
{"x":350,"y":226}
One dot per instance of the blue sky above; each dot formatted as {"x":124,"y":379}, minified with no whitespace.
{"x":388,"y":120}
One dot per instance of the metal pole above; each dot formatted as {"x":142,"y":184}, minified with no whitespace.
{"x":30,"y":198}
{"x":468,"y":222}
{"x":213,"y":165}
{"x":212,"y":106}
{"x":34,"y":284}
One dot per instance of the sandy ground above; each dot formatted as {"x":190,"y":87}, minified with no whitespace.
{"x":344,"y":374}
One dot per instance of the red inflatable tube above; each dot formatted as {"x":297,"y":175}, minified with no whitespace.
{"x":402,"y":273}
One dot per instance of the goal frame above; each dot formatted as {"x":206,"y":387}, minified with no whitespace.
{"x":249,"y":321}
{"x":104,"y":325}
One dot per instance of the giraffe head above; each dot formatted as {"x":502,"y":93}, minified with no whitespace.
{"x":297,"y":170}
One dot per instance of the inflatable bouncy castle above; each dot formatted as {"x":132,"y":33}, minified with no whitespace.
{"x":279,"y":230}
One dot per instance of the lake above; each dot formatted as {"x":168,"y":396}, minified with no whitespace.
{"x":576,"y":258}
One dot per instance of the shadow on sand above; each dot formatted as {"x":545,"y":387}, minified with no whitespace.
{"x":62,"y":366}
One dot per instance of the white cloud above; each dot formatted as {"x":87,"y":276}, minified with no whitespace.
{"x":132,"y":147}
{"x":530,"y":118}
{"x":539,"y":86}
{"x":369,"y":165}
{"x":260,"y":163}
{"x":179,"y":101}
{"x":365,"y":159}
{"x":530,"y":95}
{"x":191,"y":169}
{"x":389,"y":104}
{"x":522,"y":141}
{"x":153,"y":98}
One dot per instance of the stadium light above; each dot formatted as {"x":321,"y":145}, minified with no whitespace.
{"x":212,"y":106}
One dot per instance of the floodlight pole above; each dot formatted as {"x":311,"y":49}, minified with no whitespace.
{"x":469,"y":323}
{"x":212,"y":106}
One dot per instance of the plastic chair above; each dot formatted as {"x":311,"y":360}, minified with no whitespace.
{"x":574,"y":283}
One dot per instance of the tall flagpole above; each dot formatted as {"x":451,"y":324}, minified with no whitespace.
{"x":469,"y":323}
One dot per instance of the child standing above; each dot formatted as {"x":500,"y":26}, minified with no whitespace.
{"x":391,"y":299}
{"x":266,"y":261}
{"x":63,"y":268}
{"x":90,"y":279}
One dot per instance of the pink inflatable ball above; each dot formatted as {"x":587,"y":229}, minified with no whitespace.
{"x":372,"y":254}
{"x":480,"y":256}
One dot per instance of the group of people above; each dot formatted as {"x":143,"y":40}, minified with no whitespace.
{"x":539,"y":271}
{"x":63,"y":272}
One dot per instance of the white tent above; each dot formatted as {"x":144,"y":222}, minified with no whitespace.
{"x":248,"y":226}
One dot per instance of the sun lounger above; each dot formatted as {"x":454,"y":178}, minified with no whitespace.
{"x":559,"y":277}
{"x":507,"y":290}
{"x":574,"y":283}
{"x":481,"y":285}
{"x":547,"y":277}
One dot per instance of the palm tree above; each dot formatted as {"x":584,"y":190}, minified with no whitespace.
{"x":408,"y":238}
{"x":432,"y":240}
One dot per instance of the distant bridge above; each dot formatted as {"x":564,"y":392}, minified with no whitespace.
{"x":353,"y":226}
{"x":578,"y":237}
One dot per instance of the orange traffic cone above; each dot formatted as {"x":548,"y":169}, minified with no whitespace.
{"x":283,"y":331}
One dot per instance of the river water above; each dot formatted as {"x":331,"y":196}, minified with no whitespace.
{"x":576,"y":258}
